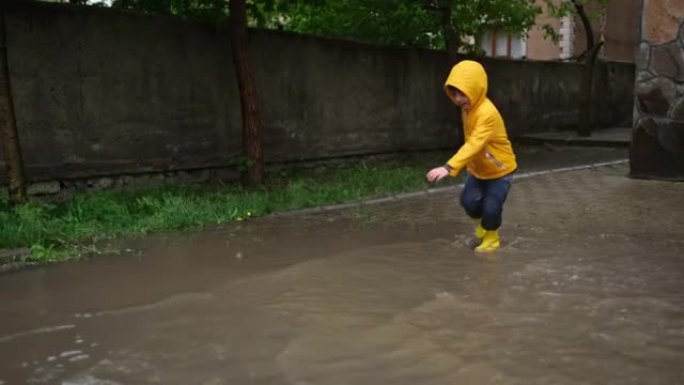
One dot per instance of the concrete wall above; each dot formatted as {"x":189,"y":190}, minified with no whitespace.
{"x":97,"y":91}
{"x":102,"y":92}
{"x":322,"y":98}
{"x":658,"y":138}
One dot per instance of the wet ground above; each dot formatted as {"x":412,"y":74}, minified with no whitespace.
{"x":587,"y":289}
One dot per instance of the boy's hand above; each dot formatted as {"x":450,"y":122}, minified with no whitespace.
{"x":437,"y":174}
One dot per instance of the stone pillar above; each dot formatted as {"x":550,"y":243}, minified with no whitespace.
{"x":657,"y":149}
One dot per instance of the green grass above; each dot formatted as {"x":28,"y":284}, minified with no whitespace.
{"x":63,"y":230}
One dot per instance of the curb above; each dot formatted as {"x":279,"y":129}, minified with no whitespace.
{"x":572,"y":168}
{"x":13,"y":259}
{"x":13,"y":255}
{"x":537,"y":141}
{"x":398,"y":197}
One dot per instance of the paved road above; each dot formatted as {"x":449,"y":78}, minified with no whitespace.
{"x":587,"y":289}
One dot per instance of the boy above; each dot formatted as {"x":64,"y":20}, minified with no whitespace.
{"x":487,"y":153}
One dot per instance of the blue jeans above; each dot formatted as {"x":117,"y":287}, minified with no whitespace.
{"x":484,"y":198}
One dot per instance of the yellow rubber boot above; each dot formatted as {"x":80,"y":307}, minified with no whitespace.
{"x":490,"y":242}
{"x":479,"y":230}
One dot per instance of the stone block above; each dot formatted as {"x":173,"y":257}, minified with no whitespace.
{"x":13,"y":255}
{"x":643,"y":56}
{"x":668,"y":60}
{"x":671,"y":137}
{"x":656,"y":96}
{"x":102,"y":183}
{"x":44,"y":188}
{"x":644,"y":76}
{"x":677,"y":111}
{"x":657,"y":150}
{"x":662,"y":20}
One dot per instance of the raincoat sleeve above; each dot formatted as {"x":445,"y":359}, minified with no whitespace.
{"x":476,"y":142}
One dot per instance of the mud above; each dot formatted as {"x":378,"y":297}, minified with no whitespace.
{"x":586,"y":290}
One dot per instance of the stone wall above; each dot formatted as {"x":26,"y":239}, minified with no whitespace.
{"x":658,"y":138}
{"x":100,"y":93}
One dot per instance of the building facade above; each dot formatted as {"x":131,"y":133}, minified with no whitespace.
{"x":657,"y":149}
{"x":616,"y":26}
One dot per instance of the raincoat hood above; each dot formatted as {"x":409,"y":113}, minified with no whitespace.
{"x":487,"y":153}
{"x":471,"y":79}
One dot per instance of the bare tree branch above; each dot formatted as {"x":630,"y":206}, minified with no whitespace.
{"x":251,"y":131}
{"x":588,"y":29}
{"x":8,"y":127}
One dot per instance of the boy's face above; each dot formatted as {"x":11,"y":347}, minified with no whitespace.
{"x":459,"y":98}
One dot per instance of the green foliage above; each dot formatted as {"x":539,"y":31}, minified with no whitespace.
{"x":404,"y":22}
{"x":384,"y":22}
{"x":560,"y":9}
{"x":417,"y":23}
{"x":55,"y":231}
{"x":394,"y":22}
{"x":204,"y":10}
{"x":242,"y":163}
{"x":207,"y":10}
{"x":475,"y":17}
{"x":564,"y":8}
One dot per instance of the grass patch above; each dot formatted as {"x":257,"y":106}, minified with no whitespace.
{"x":61,"y":230}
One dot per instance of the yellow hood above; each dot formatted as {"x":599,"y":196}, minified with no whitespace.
{"x":471,"y":79}
{"x":487,"y":153}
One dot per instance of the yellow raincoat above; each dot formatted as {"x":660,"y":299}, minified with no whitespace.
{"x":487,"y":152}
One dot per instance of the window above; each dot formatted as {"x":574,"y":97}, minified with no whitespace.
{"x":500,"y":44}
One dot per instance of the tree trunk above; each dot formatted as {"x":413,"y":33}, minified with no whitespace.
{"x":588,"y":29}
{"x":451,"y":40}
{"x":587,"y":117}
{"x":8,"y":128}
{"x":586,"y":122}
{"x":251,"y":133}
